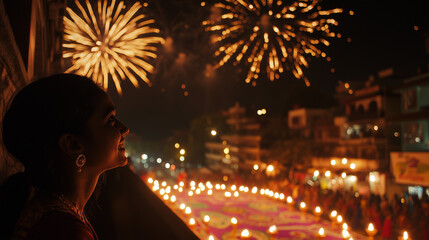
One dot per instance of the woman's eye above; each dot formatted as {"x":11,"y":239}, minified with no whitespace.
{"x":112,"y":119}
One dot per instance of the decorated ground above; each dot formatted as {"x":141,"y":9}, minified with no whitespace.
{"x":253,"y":211}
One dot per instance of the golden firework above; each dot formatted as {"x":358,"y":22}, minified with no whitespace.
{"x":275,"y":35}
{"x":110,"y":42}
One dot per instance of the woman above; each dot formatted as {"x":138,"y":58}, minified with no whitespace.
{"x":64,"y":131}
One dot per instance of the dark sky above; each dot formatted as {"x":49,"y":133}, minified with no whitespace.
{"x":382,"y":33}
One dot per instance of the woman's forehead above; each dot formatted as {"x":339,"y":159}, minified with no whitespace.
{"x":105,"y":105}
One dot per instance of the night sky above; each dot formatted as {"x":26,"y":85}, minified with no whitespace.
{"x":382,"y":33}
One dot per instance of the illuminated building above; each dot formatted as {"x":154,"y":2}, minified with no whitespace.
{"x":408,"y":163}
{"x":243,"y":144}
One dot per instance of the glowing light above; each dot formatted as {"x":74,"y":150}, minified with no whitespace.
{"x":190,"y":193}
{"x":318,"y":209}
{"x":327,"y":174}
{"x":289,"y":199}
{"x":110,"y":43}
{"x":245,"y":233}
{"x":339,"y":219}
{"x":255,"y":167}
{"x":226,"y":150}
{"x":272,"y":229}
{"x":343,"y":175}
{"x":352,"y":166}
{"x":182,"y":206}
{"x":206,"y":218}
{"x":181,"y":184}
{"x":254,"y":190}
{"x":344,"y":161}
{"x":269,"y":37}
{"x":333,"y":162}
{"x":234,"y":220}
{"x":316,"y":173}
{"x":233,"y":187}
{"x":375,"y":128}
{"x":176,"y":145}
{"x":371,"y":227}
{"x":210,"y":192}
{"x":211,"y":237}
{"x":321,"y":232}
{"x":192,"y":222}
{"x":173,"y":198}
{"x":333,"y":214}
{"x":164,"y":183}
{"x":213,"y":132}
{"x":167,"y":165}
{"x":182,"y":158}
{"x":345,"y":226}
{"x":182,"y":151}
{"x":270,"y":168}
{"x":159,"y":160}
{"x":371,"y":178}
{"x":188,"y":210}
{"x":345,"y":234}
{"x":166,"y":197}
{"x":227,"y":194}
{"x":144,"y":156}
{"x":150,"y":180}
{"x":405,"y":235}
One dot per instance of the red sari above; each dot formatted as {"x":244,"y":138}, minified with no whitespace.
{"x":47,"y":217}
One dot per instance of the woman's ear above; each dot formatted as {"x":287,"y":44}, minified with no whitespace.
{"x":71,"y":145}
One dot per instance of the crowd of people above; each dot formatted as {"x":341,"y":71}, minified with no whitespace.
{"x":390,"y":217}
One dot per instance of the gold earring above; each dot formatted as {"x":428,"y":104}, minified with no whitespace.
{"x":80,"y":161}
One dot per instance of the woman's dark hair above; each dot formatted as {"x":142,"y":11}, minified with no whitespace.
{"x":37,"y":116}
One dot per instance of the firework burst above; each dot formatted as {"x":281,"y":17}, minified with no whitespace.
{"x":275,"y":35}
{"x":110,"y":42}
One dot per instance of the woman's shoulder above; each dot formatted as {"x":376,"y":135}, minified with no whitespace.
{"x":60,"y":225}
{"x":45,"y":217}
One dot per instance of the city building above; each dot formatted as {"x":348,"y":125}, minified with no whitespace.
{"x":240,"y":149}
{"x":410,"y":165}
{"x":356,"y":144}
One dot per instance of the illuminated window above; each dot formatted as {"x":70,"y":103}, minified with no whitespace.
{"x":410,"y":99}
{"x":413,"y":133}
{"x":296,"y":121}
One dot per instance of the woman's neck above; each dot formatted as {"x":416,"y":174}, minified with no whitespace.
{"x":80,"y":189}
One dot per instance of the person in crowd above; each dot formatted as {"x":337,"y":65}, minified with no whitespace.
{"x":64,"y":130}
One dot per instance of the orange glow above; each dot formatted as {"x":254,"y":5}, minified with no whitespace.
{"x":284,"y":36}
{"x":107,"y":42}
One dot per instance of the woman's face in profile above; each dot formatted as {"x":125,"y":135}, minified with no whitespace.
{"x":104,"y":137}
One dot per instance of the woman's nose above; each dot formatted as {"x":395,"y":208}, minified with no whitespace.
{"x":123,"y":128}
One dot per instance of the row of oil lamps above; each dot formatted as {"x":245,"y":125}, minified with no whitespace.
{"x":336,"y":219}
